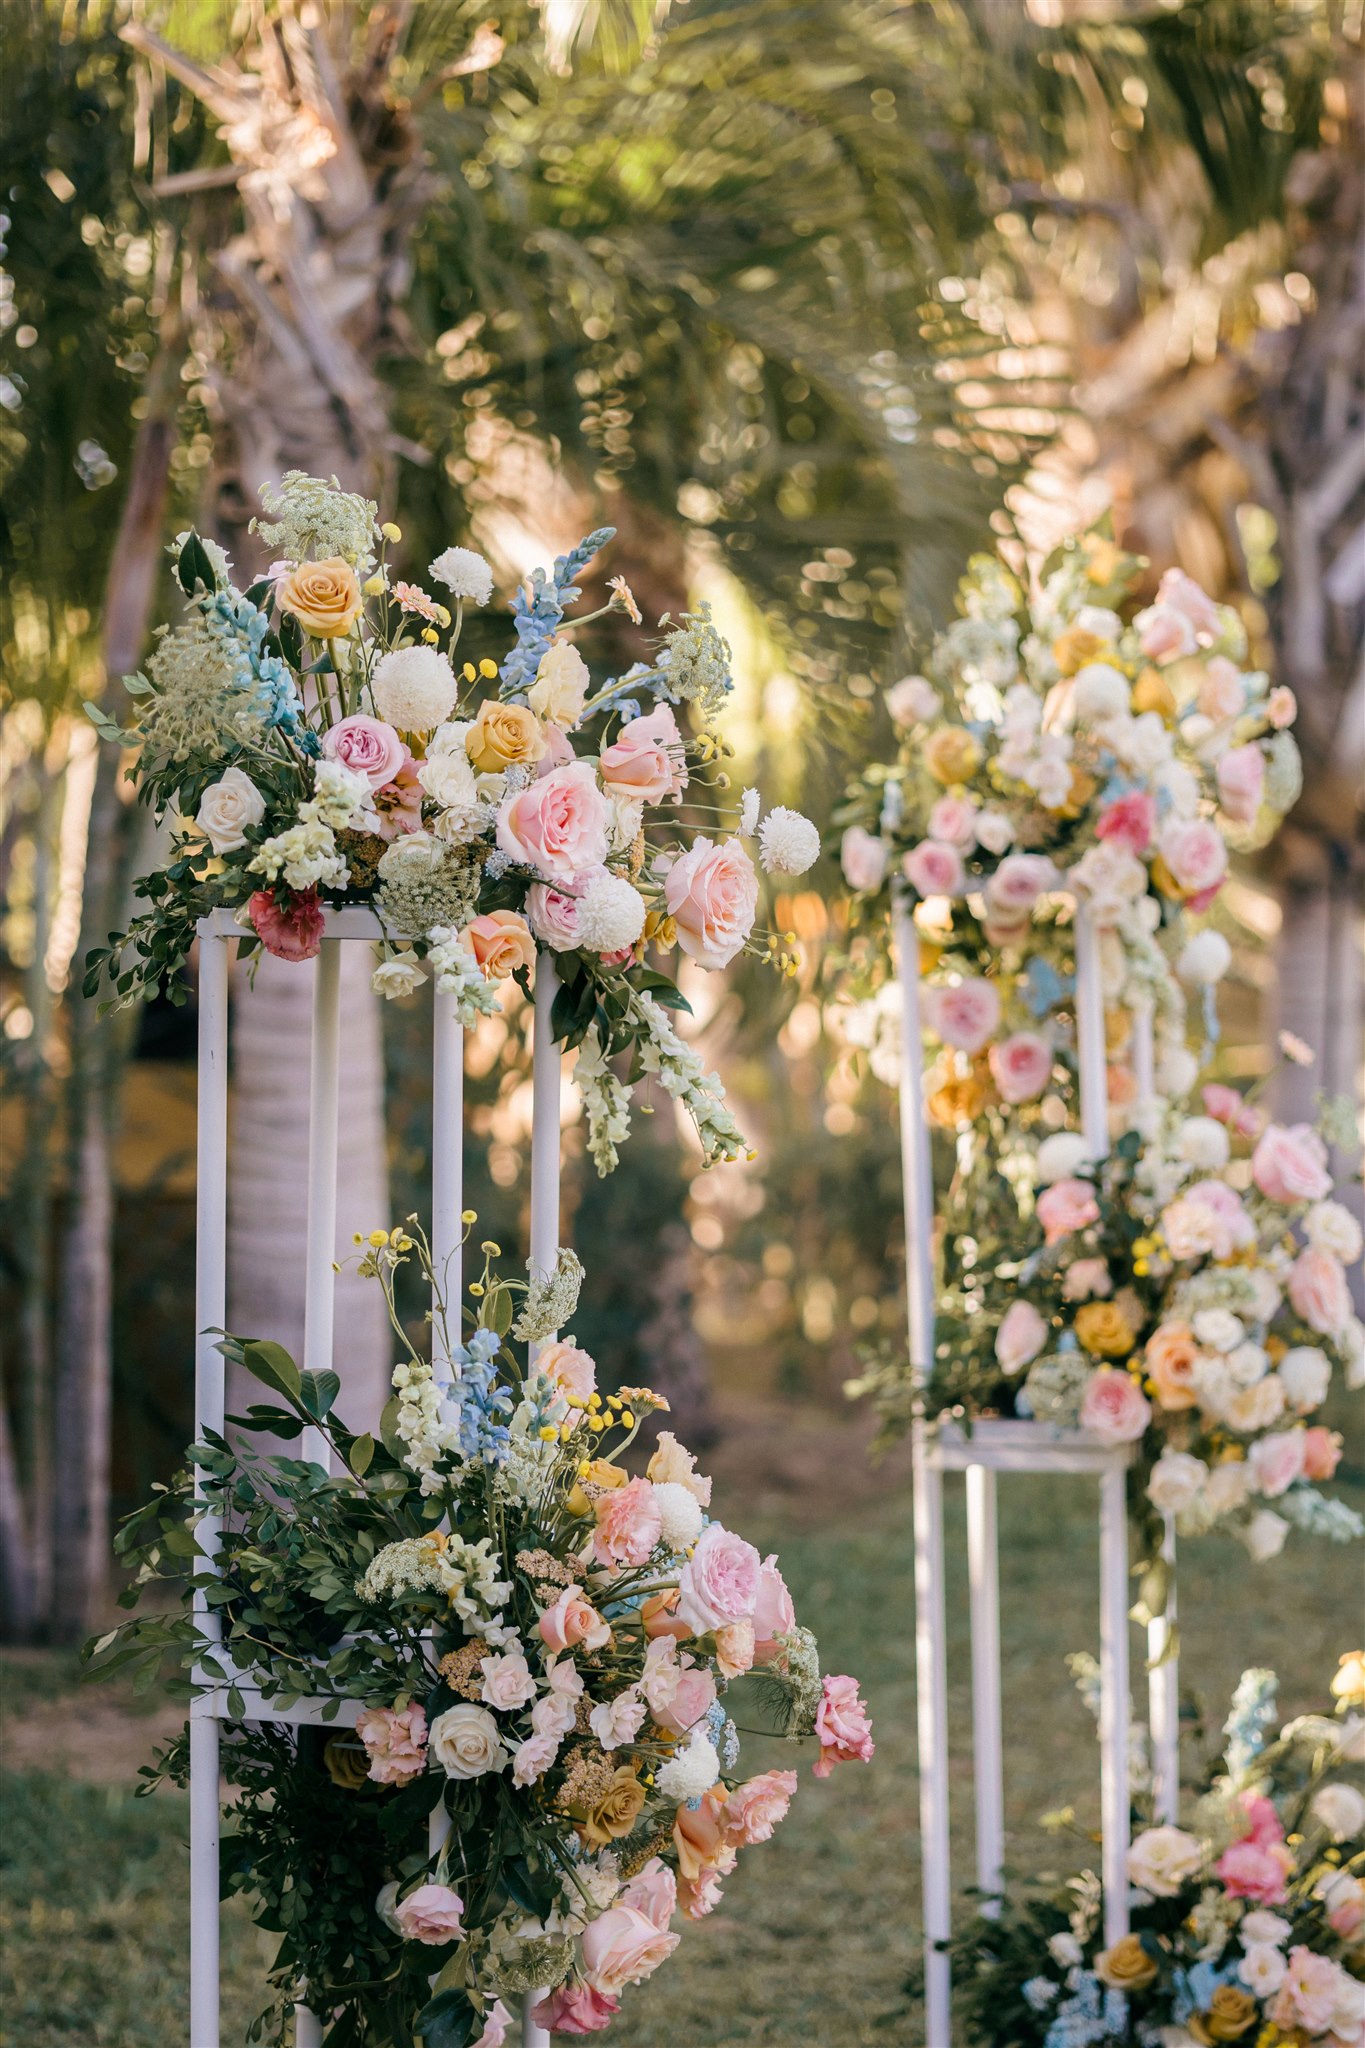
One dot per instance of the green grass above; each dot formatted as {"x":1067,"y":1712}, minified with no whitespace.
{"x":816,"y":1937}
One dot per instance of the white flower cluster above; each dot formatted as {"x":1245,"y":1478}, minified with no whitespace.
{"x":606,"y":1104}
{"x":424,"y":884}
{"x":310,"y":517}
{"x":306,"y":855}
{"x":458,"y":974}
{"x":689,"y":1773}
{"x":340,"y":799}
{"x":551,"y":1299}
{"x":683,"y":1075}
{"x":610,"y":915}
{"x":421,"y":1424}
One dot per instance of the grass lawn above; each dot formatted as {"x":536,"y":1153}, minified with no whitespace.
{"x":817,"y":1936}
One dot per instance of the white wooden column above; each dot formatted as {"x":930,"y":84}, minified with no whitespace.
{"x":1163,"y":1691}
{"x":1092,"y":1064}
{"x":210,"y":1312}
{"x":1115,"y":1707}
{"x":446,"y":1236}
{"x":320,"y":1254}
{"x":988,"y":1765}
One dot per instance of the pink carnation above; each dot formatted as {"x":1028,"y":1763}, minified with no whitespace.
{"x":1290,"y":1164}
{"x":1065,"y":1207}
{"x":1318,"y":1291}
{"x":291,"y":930}
{"x":1129,"y":821}
{"x":368,"y":747}
{"x":842,"y":1724}
{"x":396,"y":1743}
{"x":575,"y":2009}
{"x":629,"y":1524}
{"x":754,"y":1809}
{"x":1241,"y":778}
{"x":934,"y":868}
{"x":558,"y":825}
{"x":966,"y":1015}
{"x":1310,"y":2000}
{"x":711,"y":893}
{"x":1255,"y":1870}
{"x":1114,"y":1407}
{"x":1021,"y":1066}
{"x":572,"y":1369}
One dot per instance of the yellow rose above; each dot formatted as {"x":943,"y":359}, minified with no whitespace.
{"x":1126,"y":1966}
{"x":504,"y":736}
{"x":1102,"y":1330}
{"x":1152,"y":692}
{"x":1105,"y":559}
{"x":952,"y":754}
{"x":1073,"y":649}
{"x":959,"y":1101}
{"x":1348,"y":1682}
{"x":346,"y":1761}
{"x":1231,"y":2013}
{"x":323,"y":596}
{"x":615,"y":1814}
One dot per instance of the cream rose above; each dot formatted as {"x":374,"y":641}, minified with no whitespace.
{"x":465,"y":1742}
{"x":1162,"y":1859}
{"x":227,"y":808}
{"x":560,"y":689}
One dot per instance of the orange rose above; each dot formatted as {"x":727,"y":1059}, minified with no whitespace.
{"x":959,"y":1101}
{"x":1103,"y":1330}
{"x":700,"y":1837}
{"x":1169,"y":1362}
{"x":504,"y":736}
{"x":323,"y":596}
{"x":501,"y":942}
{"x":657,"y":1617}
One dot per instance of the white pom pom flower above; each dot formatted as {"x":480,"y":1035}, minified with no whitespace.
{"x":680,"y":1514}
{"x":464,"y":573}
{"x":692,"y":1772}
{"x":414,"y":688}
{"x":1205,"y":960}
{"x":611,"y":914}
{"x":788,"y":844}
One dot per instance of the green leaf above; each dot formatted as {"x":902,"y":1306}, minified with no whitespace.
{"x":317,"y":1391}
{"x":446,"y":2021}
{"x":271,"y":1364}
{"x":361,"y":1453}
{"x":388,"y":1433}
{"x":497,"y":1309}
{"x":194,"y":567}
{"x":291,"y":640}
{"x":103,"y":723}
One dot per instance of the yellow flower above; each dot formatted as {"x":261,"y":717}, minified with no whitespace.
{"x":952,"y":754}
{"x":504,"y":736}
{"x":616,"y":1814}
{"x":1348,"y":1681}
{"x":1102,"y":1329}
{"x":1231,"y":2013}
{"x":1105,"y":559}
{"x":1075,"y":647}
{"x":323,"y":596}
{"x":1126,"y":1966}
{"x":959,"y":1101}
{"x":600,"y":1474}
{"x":1152,"y":692}
{"x":1082,"y":788}
{"x":346,"y":1762}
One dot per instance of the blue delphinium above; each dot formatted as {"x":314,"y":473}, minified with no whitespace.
{"x":1091,"y":2014}
{"x":484,"y":1406}
{"x":1250,"y":1717}
{"x":241,"y":629}
{"x":535,"y":617}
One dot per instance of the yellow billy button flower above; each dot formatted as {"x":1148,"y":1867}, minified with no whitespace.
{"x":627,"y":1419}
{"x":476,"y":1289}
{"x":494,"y":1251}
{"x":548,"y":1433}
{"x":390,"y":531}
{"x":488,"y":669}
{"x":430,"y":635}
{"x":469,"y":672}
{"x":373,"y":587}
{"x":469,"y":1215}
{"x":378,"y":1238}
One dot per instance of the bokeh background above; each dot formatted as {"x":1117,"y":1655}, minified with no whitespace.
{"x":809,"y":299}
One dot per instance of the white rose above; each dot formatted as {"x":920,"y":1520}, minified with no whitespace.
{"x":398,"y":977}
{"x":1203,"y":1142}
{"x":1205,"y":959}
{"x":1218,"y":1328}
{"x":1248,"y":1363}
{"x":560,"y":689}
{"x":1264,"y":1535}
{"x":1177,"y":1479}
{"x":507,"y":1681}
{"x":1331,"y":1228}
{"x":465,"y":1742}
{"x":627,"y":816}
{"x":1101,"y":691}
{"x":1254,"y":1408}
{"x":1262,"y":1925}
{"x":1265,"y":1294}
{"x":227,"y":807}
{"x":1227,"y":1487}
{"x":913,"y":700}
{"x":448,"y":779}
{"x":1305,"y":1374}
{"x":1262,"y":1968}
{"x":1341,"y":1809}
{"x":1060,"y":1156}
{"x":1163,"y":1859}
{"x":993,"y":831}
{"x":1064,"y":1950}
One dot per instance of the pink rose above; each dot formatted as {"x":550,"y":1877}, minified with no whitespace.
{"x":1310,"y":1998}
{"x":494,"y":2027}
{"x":573,"y":1620}
{"x":532,"y":1758}
{"x":647,"y":762}
{"x":719,"y":1582}
{"x":1222,"y":692}
{"x":653,"y":1892}
{"x":1067,"y":1206}
{"x":1114,"y":1407}
{"x":1318,"y":1291}
{"x":1129,"y":821}
{"x":629,"y":1524}
{"x":966,"y":1015}
{"x":553,"y":916}
{"x":575,"y":2009}
{"x":1021,"y":1066}
{"x":1021,"y":1336}
{"x":774,"y":1614}
{"x":1290,"y":1164}
{"x":690,"y":1698}
{"x":1255,"y":1870}
{"x":433,"y":1913}
{"x":368,"y":747}
{"x":1208,"y":1219}
{"x":934,"y":868}
{"x":622,"y":1946}
{"x":570,"y":1368}
{"x":559,"y":825}
{"x":1018,"y":882}
{"x":1276,"y":1461}
{"x":754,"y":1809}
{"x":1185,"y":596}
{"x":842,"y":1724}
{"x":558,"y":750}
{"x":1229,"y":1108}
{"x":1087,"y":1280}
{"x":396,"y":1743}
{"x":1194,"y":852}
{"x":1241,"y":778}
{"x":1164,"y":634}
{"x":291,"y":930}
{"x":863,"y":858}
{"x":953,"y":819}
{"x":1344,"y":1898}
{"x":507,"y":1681}
{"x":1282,"y":706}
{"x":711,"y":893}
{"x":1321,"y":1452}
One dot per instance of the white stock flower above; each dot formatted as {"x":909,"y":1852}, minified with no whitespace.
{"x":339,"y":796}
{"x":414,"y":688}
{"x":689,"y":1773}
{"x":227,"y":807}
{"x":680,"y":1514}
{"x":1204,"y":959}
{"x":560,"y":689}
{"x":788,"y":844}
{"x":611,"y":914}
{"x":398,"y":977}
{"x":306,"y":855}
{"x":464,"y":574}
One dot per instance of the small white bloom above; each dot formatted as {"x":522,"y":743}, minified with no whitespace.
{"x":1101,"y":691}
{"x":1341,"y":1809}
{"x":627,"y":816}
{"x":226,"y":809}
{"x":1204,"y":959}
{"x":1262,"y":1967}
{"x":464,"y":574}
{"x":1218,"y":1329}
{"x":340,"y":797}
{"x":913,"y":700}
{"x":1264,"y":1535}
{"x":1065,"y":1951}
{"x":680,"y":1513}
{"x":993,"y":831}
{"x":1305,"y":1374}
{"x":1262,"y":1925}
{"x":749,"y":806}
{"x":398,"y":977}
{"x":616,"y":1721}
{"x":1060,"y":1156}
{"x":1329,"y":1227}
{"x":611,"y":914}
{"x":1177,"y":1072}
{"x":1203,"y":1142}
{"x":689,"y":1773}
{"x":788,"y":844}
{"x":1177,"y":1480}
{"x":414,"y":688}
{"x":1162,"y":1859}
{"x":1247,"y":1363}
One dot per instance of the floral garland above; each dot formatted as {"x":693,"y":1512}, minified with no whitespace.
{"x":1246,"y":1928}
{"x":550,"y":1646}
{"x":313,"y":743}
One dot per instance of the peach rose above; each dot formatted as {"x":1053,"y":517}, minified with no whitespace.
{"x":1321,"y":1452}
{"x":659,"y":1618}
{"x":629,"y":1524}
{"x":504,"y":736}
{"x":671,"y":1462}
{"x":1021,"y":1066}
{"x":863,"y":858}
{"x":433,"y":1914}
{"x":1114,"y":1408}
{"x":843,"y":1726}
{"x":1065,"y":1207}
{"x":1290,"y":1164}
{"x":711,"y":893}
{"x":1241,"y":778}
{"x":1281,"y":706}
{"x":735,"y":1648}
{"x":700,"y":1840}
{"x":558,"y":825}
{"x":653,"y":1891}
{"x":569,"y":1367}
{"x":368,"y":747}
{"x":323,"y":596}
{"x":573,"y":1620}
{"x":965,"y":1015}
{"x":1184,"y":595}
{"x":647,"y":761}
{"x":1021,"y":1336}
{"x":1169,"y":1360}
{"x":719,"y":1582}
{"x":934,"y":868}
{"x":501,"y":942}
{"x":1318,"y":1291}
{"x":1164,"y":634}
{"x":1222,"y":691}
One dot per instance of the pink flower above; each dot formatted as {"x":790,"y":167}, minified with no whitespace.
{"x":1164,"y":634}
{"x":1282,"y":706}
{"x":575,"y":2009}
{"x":368,"y":747}
{"x":1129,"y":821}
{"x":396,"y":1743}
{"x":1222,"y":692}
{"x":569,"y":1367}
{"x":863,"y":858}
{"x":1321,"y":1452}
{"x":690,"y":1698}
{"x":842,"y":1724}
{"x":1253,"y":1870}
{"x":1241,"y":778}
{"x":966,"y":1015}
{"x":553,"y":916}
{"x":711,"y":893}
{"x":1114,"y":1407}
{"x":622,"y":1946}
{"x":647,"y":762}
{"x":934,"y":868}
{"x":754,"y":1809}
{"x":1318,"y":1291}
{"x":1207,"y":1219}
{"x":1276,"y":1461}
{"x":433,"y":1913}
{"x":532,"y":1758}
{"x":653,"y":1892}
{"x":292,"y":930}
{"x":558,"y":750}
{"x":558,"y":825}
{"x":701,"y":1894}
{"x":774,"y":1614}
{"x":1229,"y":1108}
{"x":719,"y":1582}
{"x":507,"y":1681}
{"x":494,"y":2027}
{"x":1290,"y":1164}
{"x":1018,"y":882}
{"x":1195,"y":855}
{"x":629,"y":1524}
{"x":1263,"y":1821}
{"x":573,"y":1620}
{"x":1310,"y":1994}
{"x":1021,"y":1066}
{"x":953,"y":818}
{"x":1021,"y":1336}
{"x":1067,"y":1206}
{"x":398,"y":805}
{"x":1185,"y":596}
{"x":1087,"y":1280}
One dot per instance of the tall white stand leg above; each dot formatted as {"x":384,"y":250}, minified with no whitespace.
{"x":983,"y":1572}
{"x":1114,"y":1700}
{"x":323,"y":1082}
{"x":210,"y":1313}
{"x":1163,"y":1693}
{"x":532,"y":2036}
{"x":1090,"y":1052}
{"x":307,"y":2028}
{"x":447,"y":1227}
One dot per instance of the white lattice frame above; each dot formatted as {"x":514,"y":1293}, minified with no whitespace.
{"x":992,"y":1448}
{"x":217,"y":936}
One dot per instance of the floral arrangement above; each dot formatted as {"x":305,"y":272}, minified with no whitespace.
{"x":551,"y":1649}
{"x":1188,"y":1294}
{"x":1245,"y":1928}
{"x":313,"y":742}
